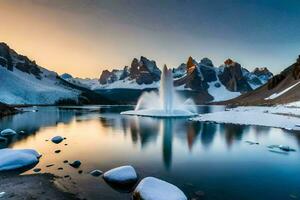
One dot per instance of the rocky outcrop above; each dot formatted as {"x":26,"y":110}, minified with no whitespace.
{"x":263,"y":71}
{"x":142,"y":71}
{"x":194,"y":78}
{"x":22,"y":81}
{"x":107,"y":77}
{"x":202,"y":79}
{"x":10,"y":60}
{"x":199,"y":75}
{"x":280,"y":89}
{"x":232,"y":77}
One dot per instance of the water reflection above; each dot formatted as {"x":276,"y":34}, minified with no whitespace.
{"x":207,"y":155}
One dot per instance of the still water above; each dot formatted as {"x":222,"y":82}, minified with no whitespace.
{"x":206,"y":160}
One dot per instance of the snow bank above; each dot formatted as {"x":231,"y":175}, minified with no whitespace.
{"x":121,"y":175}
{"x":262,"y":116}
{"x":11,"y":159}
{"x":294,"y":104}
{"x":151,"y":188}
{"x":220,"y":93}
{"x":279,"y":109}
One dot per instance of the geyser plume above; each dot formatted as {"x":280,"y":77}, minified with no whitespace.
{"x":166,"y":103}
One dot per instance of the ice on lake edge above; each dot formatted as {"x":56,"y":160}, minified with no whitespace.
{"x":277,"y":116}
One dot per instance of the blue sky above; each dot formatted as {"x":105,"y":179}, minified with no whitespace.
{"x":109,"y":33}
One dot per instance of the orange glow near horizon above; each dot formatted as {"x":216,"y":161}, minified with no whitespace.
{"x":84,"y":37}
{"x":53,"y":43}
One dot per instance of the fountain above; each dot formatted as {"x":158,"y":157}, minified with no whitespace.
{"x":167,"y":103}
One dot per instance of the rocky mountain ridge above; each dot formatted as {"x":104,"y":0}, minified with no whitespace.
{"x":282,"y":88}
{"x":229,"y":80}
{"x":22,"y":81}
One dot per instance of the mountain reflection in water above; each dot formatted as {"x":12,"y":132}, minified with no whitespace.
{"x":192,"y":155}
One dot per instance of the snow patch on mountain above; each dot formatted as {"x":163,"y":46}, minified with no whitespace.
{"x":18,"y":87}
{"x":220,"y":93}
{"x":275,"y":95}
{"x":126,"y":84}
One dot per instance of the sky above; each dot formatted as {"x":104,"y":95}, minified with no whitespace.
{"x":84,"y":37}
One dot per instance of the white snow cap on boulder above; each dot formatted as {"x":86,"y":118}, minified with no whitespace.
{"x":121,"y":175}
{"x":11,"y":159}
{"x":8,"y":132}
{"x":151,"y":188}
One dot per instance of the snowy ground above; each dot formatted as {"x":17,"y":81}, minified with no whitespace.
{"x":278,"y":116}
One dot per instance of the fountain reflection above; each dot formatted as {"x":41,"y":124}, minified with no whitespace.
{"x":167,"y":136}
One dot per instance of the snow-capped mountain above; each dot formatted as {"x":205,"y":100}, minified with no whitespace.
{"x":81,"y":82}
{"x":282,"y":88}
{"x":22,"y":81}
{"x":202,"y":79}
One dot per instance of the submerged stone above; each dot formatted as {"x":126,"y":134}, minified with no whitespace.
{"x":57,"y":139}
{"x":37,"y":169}
{"x":285,"y":148}
{"x":22,"y":133}
{"x":96,"y":172}
{"x":75,"y":164}
{"x":251,"y":143}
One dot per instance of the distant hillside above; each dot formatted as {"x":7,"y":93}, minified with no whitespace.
{"x":281,"y":89}
{"x":23,"y":82}
{"x":6,"y":110}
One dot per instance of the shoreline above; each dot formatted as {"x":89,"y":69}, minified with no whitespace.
{"x":32,"y":186}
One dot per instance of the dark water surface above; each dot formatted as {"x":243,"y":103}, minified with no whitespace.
{"x":207,"y":161}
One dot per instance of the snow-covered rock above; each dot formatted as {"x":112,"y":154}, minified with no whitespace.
{"x":121,"y":175}
{"x":57,"y":139}
{"x":8,"y":132}
{"x":11,"y":159}
{"x":151,"y":188}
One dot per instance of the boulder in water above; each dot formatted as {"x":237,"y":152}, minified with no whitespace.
{"x":8,"y":132}
{"x":96,"y":172}
{"x":12,"y":159}
{"x":151,"y":188}
{"x":286,"y":148}
{"x":75,"y":164}
{"x":57,"y":139}
{"x":121,"y":175}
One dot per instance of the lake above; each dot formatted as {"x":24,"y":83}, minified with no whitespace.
{"x":206,"y":160}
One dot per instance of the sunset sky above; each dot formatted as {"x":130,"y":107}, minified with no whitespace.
{"x":83,"y":37}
